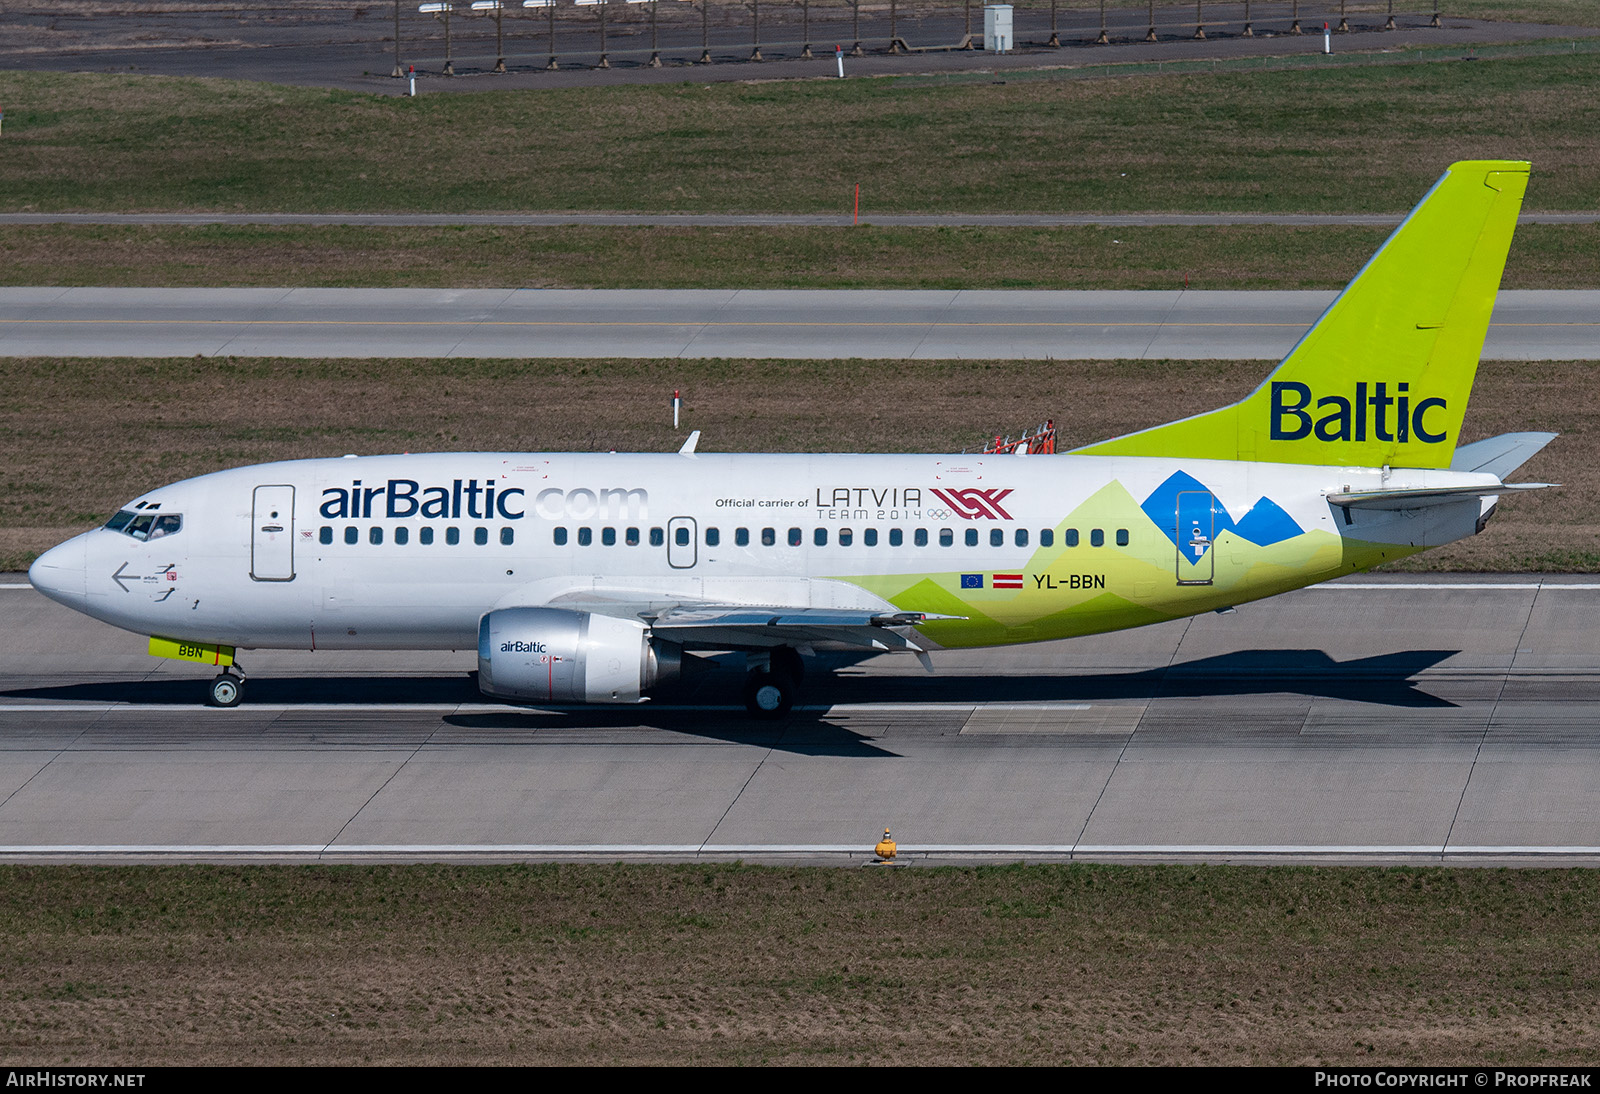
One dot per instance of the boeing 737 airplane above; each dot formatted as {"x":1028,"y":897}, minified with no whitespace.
{"x":591,"y":578}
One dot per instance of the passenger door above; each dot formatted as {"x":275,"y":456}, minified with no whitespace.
{"x":272,"y":534}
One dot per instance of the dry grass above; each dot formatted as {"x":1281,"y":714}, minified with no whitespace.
{"x":1254,"y":257}
{"x":721,"y":965}
{"x":1362,"y":138}
{"x":80,"y":437}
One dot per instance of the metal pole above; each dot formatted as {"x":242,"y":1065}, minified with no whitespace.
{"x":1390,"y":24}
{"x":1294,"y":27}
{"x":1199,"y":26}
{"x":894,"y":34}
{"x":655,"y":45}
{"x":449,"y":66}
{"x":755,"y":30}
{"x":1103,"y":40}
{"x":1435,"y":21}
{"x":499,"y":38}
{"x":705,"y":32}
{"x":552,"y":66}
{"x":1248,"y":31}
{"x":1151,"y":37}
{"x":805,"y":28}
{"x":397,"y":73}
{"x":604,"y":61}
{"x":855,"y":6}
{"x":1344,"y":24}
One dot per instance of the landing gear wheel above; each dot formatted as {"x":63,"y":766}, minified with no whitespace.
{"x":226,"y":691}
{"x":769,"y":695}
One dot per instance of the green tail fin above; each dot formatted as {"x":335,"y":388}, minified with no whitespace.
{"x":1384,"y":375}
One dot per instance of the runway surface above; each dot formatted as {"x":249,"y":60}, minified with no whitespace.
{"x":1397,"y":719}
{"x":868,"y":324}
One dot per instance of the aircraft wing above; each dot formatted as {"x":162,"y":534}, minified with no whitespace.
{"x":741,"y":627}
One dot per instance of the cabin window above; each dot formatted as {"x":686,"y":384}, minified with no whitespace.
{"x":1097,"y":538}
{"x":560,"y":536}
{"x":1122,"y":537}
{"x":947,"y":538}
{"x":680,"y":536}
{"x":769,"y":536}
{"x":452,"y":536}
{"x":608,"y":537}
{"x":402,"y":535}
{"x":426,"y":536}
{"x":795,"y":536}
{"x":997,"y":537}
{"x":869,"y":537}
{"x":741,"y":537}
{"x":920,"y":537}
{"x":325,"y":536}
{"x":631,"y":537}
{"x":1070,"y":537}
{"x":1047,"y":537}
{"x":896,"y":537}
{"x":585,"y":536}
{"x":508,"y":536}
{"x":375,"y":536}
{"x":480,"y":536}
{"x":657,"y":537}
{"x":1022,"y":537}
{"x":351,"y":535}
{"x":846,"y":537}
{"x":713,"y":537}
{"x":820,"y":537}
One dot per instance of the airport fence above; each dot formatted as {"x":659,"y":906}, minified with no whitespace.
{"x":460,"y":36}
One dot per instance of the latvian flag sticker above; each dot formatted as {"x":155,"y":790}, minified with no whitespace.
{"x":1008,"y":581}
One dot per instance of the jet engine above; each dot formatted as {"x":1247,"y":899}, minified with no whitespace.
{"x":555,"y":656}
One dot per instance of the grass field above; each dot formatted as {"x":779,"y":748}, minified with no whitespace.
{"x":730,"y":964}
{"x":80,"y":437}
{"x":1352,"y":139}
{"x":1245,"y":257}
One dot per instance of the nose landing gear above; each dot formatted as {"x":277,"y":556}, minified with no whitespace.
{"x":226,"y":690}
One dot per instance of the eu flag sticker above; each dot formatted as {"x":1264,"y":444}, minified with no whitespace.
{"x":972,"y":581}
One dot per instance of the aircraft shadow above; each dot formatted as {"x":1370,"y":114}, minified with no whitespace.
{"x":1384,"y":680}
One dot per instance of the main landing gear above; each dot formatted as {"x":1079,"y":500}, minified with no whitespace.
{"x":226,"y":690}
{"x":771,"y":689}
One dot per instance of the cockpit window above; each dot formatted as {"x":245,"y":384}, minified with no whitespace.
{"x":146,"y":525}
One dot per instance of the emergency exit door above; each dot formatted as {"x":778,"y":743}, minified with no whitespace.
{"x":1196,"y":536}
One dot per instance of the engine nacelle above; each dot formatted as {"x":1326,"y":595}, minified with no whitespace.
{"x":554,"y":656}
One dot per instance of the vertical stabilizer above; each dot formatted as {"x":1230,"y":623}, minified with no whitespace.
{"x":1384,"y":375}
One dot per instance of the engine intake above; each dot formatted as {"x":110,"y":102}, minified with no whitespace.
{"x":555,"y":656}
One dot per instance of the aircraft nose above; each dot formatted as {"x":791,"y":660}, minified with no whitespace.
{"x":59,"y":572}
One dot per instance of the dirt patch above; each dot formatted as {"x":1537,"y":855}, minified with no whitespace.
{"x":638,"y":964}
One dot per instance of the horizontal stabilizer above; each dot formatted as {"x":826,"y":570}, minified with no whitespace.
{"x":1424,"y":497}
{"x":1500,"y":456}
